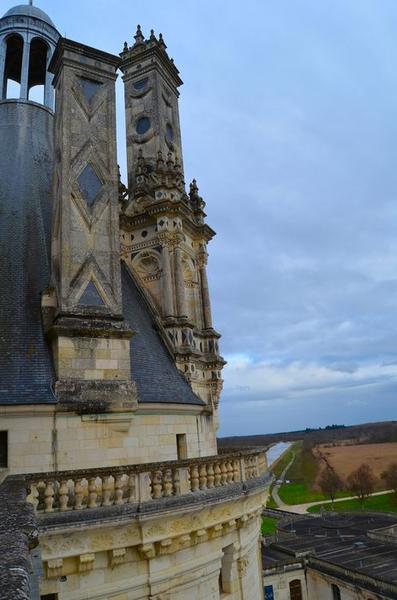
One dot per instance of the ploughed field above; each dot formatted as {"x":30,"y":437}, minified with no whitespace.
{"x":345,"y":459}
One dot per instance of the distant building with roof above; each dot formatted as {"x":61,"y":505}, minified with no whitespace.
{"x":348,"y":556}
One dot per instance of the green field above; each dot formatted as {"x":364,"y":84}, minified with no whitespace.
{"x":269,"y":526}
{"x":279,"y":466}
{"x":302,"y":474}
{"x":383,"y":503}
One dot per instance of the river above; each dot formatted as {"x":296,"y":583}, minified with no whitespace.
{"x":276,"y":451}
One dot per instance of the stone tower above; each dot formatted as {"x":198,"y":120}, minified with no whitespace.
{"x":164,"y":234}
{"x":111,"y":484}
{"x":27,"y":42}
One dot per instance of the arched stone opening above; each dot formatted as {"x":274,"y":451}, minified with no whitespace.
{"x":38,"y":58}
{"x":11,"y":87}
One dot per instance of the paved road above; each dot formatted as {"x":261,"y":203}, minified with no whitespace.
{"x":276,"y":497}
{"x":302,"y":508}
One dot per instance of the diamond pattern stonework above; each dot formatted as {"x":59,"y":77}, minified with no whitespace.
{"x":90,"y":88}
{"x":90,"y":185}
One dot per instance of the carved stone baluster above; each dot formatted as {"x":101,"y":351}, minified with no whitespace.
{"x":177,"y":482}
{"x":49,"y":496}
{"x":78,"y":494}
{"x":223,"y":474}
{"x":119,"y":490}
{"x":203,"y":477}
{"x":194,"y":478}
{"x":63,"y":495}
{"x":107,"y":486}
{"x":157,"y":484}
{"x":33,"y":496}
{"x":229,"y":472}
{"x":168,"y":483}
{"x":41,"y":489}
{"x":92,"y":493}
{"x":236,"y":471}
{"x":132,"y":488}
{"x":217,"y":471}
{"x":210,"y":476}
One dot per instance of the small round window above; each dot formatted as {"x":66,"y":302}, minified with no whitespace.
{"x":169,"y":133}
{"x":142,"y":125}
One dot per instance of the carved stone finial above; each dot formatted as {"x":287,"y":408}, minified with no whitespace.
{"x":125,"y":49}
{"x":193,"y":187}
{"x":160,"y":160}
{"x":162,"y":42}
{"x":152,"y":36}
{"x":123,"y":192}
{"x":170,"y":162}
{"x":139,"y":38}
{"x":177,"y":164}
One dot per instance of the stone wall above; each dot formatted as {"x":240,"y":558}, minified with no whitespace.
{"x":40,"y":439}
{"x":209,"y":552}
{"x":319,"y":586}
{"x":279,"y":578}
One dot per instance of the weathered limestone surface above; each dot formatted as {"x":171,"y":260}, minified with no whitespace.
{"x":43,"y":440}
{"x":163,"y":232}
{"x":159,"y":555}
{"x":90,"y":339}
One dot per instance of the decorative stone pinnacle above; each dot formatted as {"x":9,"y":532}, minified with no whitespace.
{"x":152,"y":36}
{"x":193,"y":187}
{"x":170,"y":162}
{"x":139,"y":38}
{"x":125,"y":49}
{"x":160,"y":160}
{"x":162,"y":42}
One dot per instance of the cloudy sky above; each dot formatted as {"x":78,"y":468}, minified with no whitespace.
{"x":289,"y":125}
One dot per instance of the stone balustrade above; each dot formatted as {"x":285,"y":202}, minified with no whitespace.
{"x":134,"y":484}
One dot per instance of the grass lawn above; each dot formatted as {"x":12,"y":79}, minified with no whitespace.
{"x":279,"y":465}
{"x":302,"y":474}
{"x":383,"y":503}
{"x":299,"y":493}
{"x":270,"y":502}
{"x":269,"y":526}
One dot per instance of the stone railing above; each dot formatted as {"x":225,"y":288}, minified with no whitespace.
{"x":134,"y":484}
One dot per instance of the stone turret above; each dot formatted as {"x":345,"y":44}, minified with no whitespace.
{"x":27,"y":42}
{"x":164,"y":234}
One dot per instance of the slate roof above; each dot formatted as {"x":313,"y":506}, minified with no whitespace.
{"x":26,"y":369}
{"x":29,"y":11}
{"x":152,"y":367}
{"x":26,"y":373}
{"x":340,"y":540}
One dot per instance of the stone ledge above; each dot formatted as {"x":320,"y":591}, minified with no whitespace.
{"x":96,"y":396}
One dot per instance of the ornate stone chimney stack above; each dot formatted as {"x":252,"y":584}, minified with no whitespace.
{"x":151,"y":100}
{"x":90,"y":337}
{"x":164,"y":235}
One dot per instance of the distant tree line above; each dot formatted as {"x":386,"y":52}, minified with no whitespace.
{"x":367,"y":433}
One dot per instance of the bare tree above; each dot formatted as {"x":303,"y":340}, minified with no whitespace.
{"x":361,"y":483}
{"x":330,"y":483}
{"x":390,"y":478}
